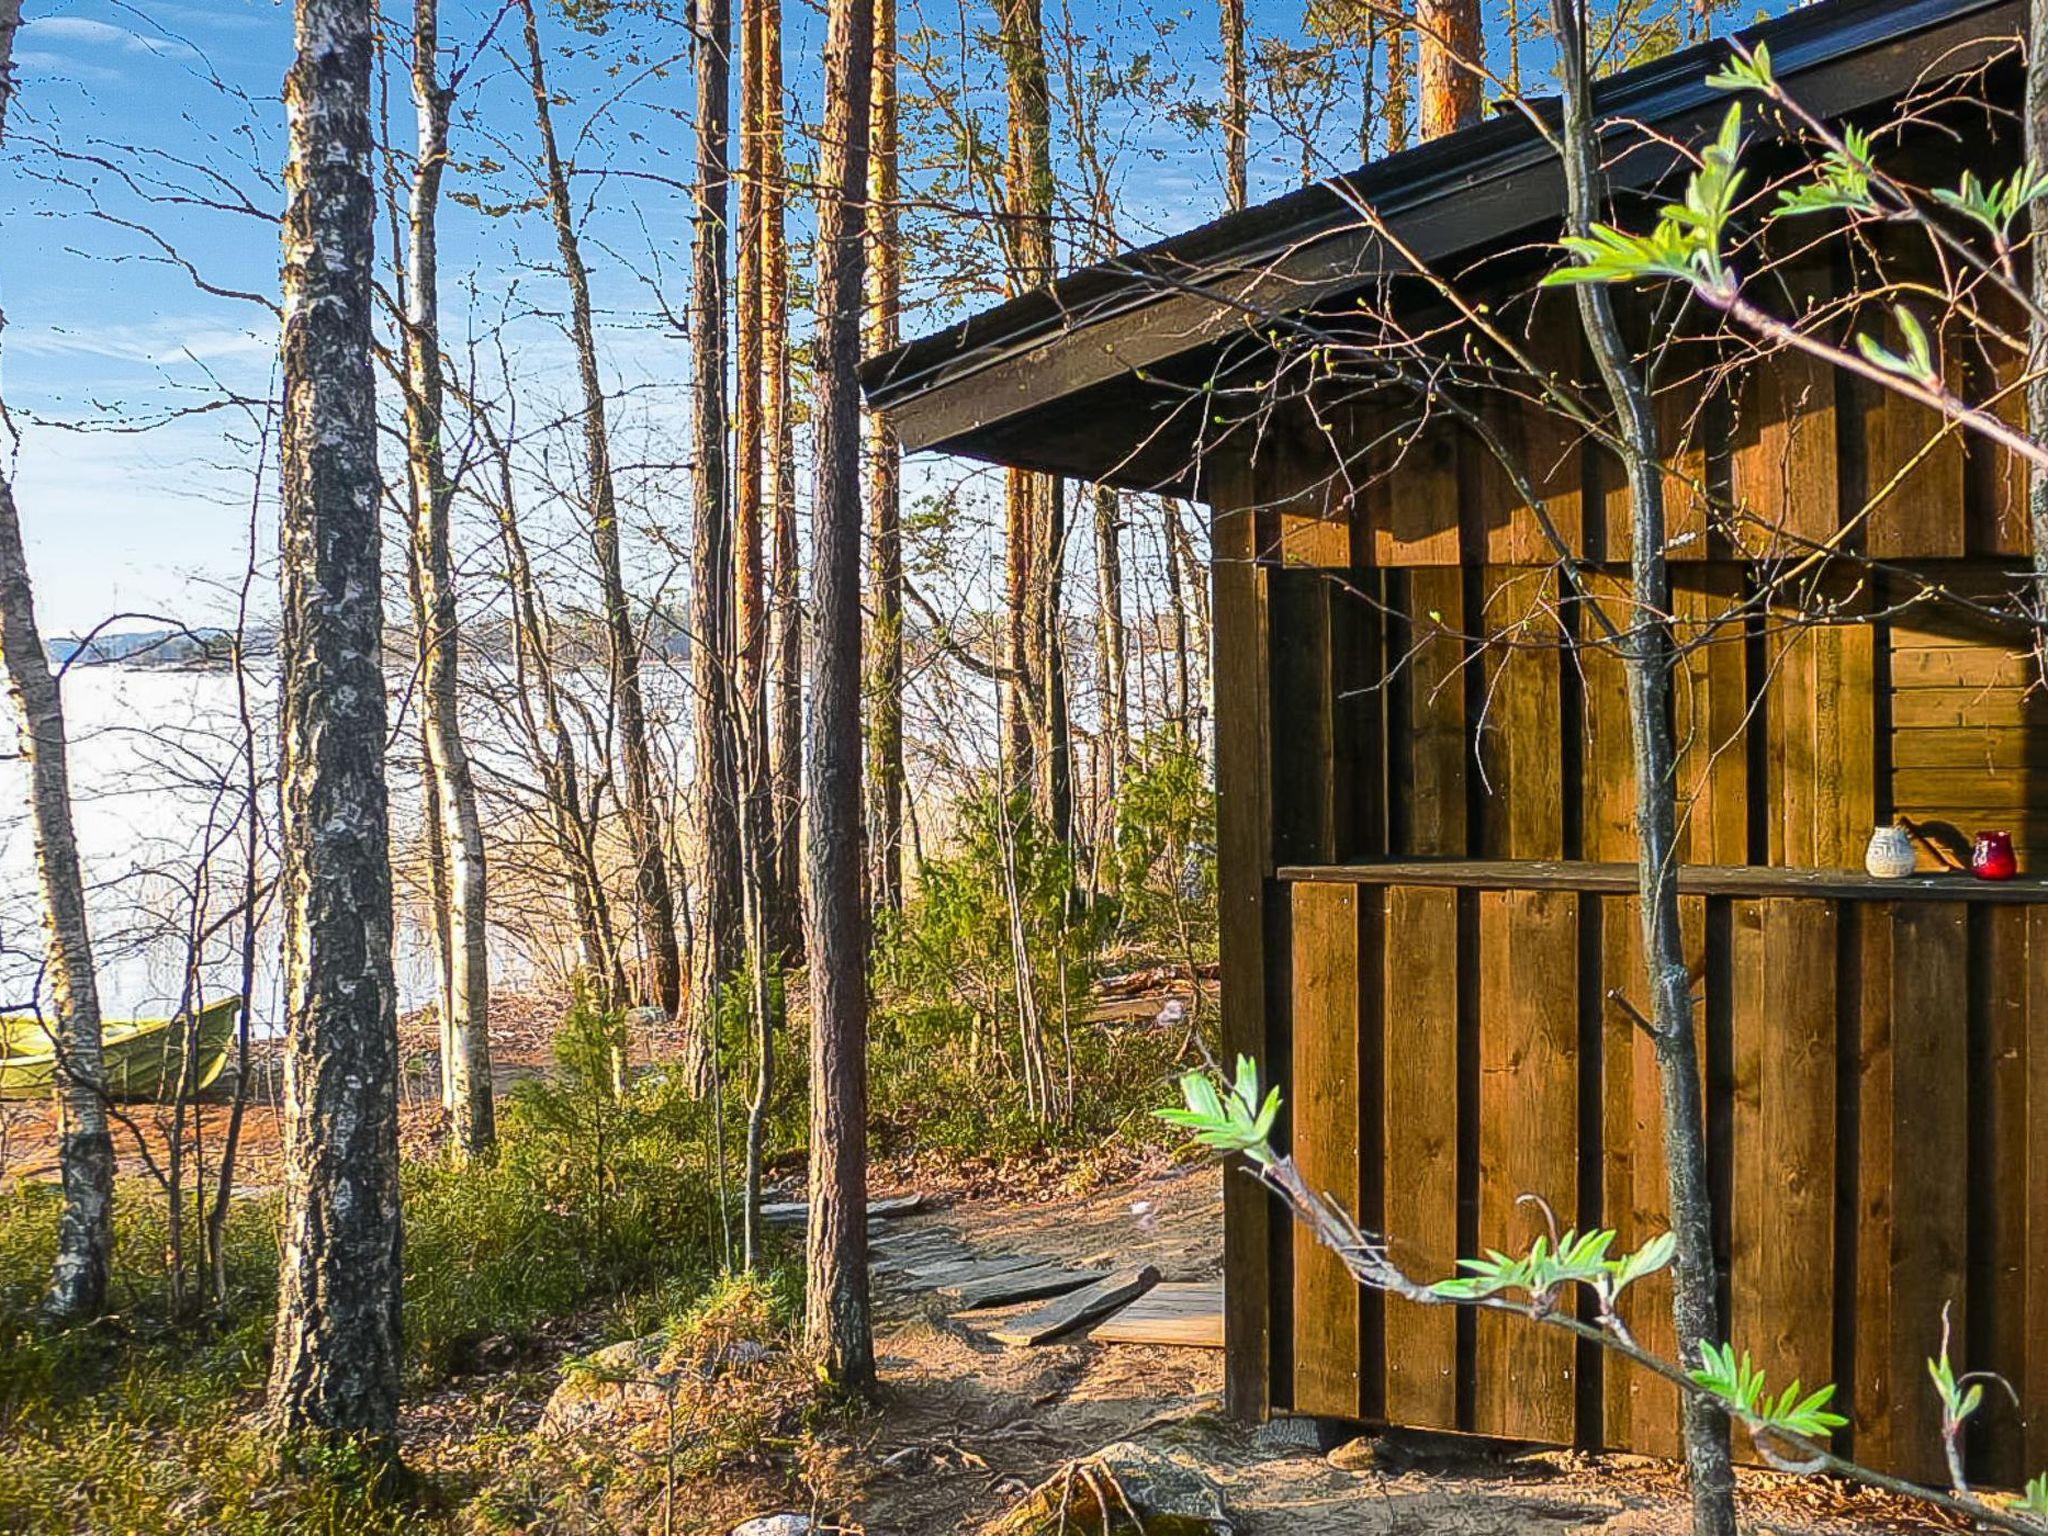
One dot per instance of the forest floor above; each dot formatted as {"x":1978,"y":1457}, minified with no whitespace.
{"x":966,"y":1424}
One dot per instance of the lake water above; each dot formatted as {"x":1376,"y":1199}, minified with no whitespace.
{"x":150,"y":751}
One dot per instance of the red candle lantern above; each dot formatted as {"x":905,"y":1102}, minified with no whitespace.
{"x":1992,"y":858}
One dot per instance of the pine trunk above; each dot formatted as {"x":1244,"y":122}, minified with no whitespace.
{"x":718,"y":917}
{"x":335,"y":1368}
{"x":1109,"y":601}
{"x":1400,"y":70}
{"x":656,"y":900}
{"x":2036,"y":143}
{"x":785,"y":621}
{"x":885,"y":491}
{"x":1036,"y":732}
{"x":1452,"y":45}
{"x":1237,"y":108}
{"x":838,"y":1327}
{"x":460,"y":925}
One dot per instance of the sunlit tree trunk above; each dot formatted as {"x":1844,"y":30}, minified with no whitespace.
{"x":1037,"y":728}
{"x":885,"y":491}
{"x":1113,"y":647}
{"x":785,"y":619}
{"x":460,"y":925}
{"x":1452,"y":42}
{"x":655,"y":898}
{"x":717,"y":916}
{"x":10,"y":23}
{"x":85,"y":1230}
{"x":1237,"y":106}
{"x":838,"y":1328}
{"x":335,"y":1367}
{"x":1400,"y":74}
{"x":574,"y":831}
{"x":750,"y":532}
{"x":2036,"y":134}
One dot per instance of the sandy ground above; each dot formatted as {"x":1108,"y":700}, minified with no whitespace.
{"x":967,"y":1424}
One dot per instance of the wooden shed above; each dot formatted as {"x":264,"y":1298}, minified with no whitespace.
{"x":1423,"y":771}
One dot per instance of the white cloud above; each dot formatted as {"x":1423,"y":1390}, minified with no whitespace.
{"x":56,"y":31}
{"x":165,"y":341}
{"x":36,"y":61}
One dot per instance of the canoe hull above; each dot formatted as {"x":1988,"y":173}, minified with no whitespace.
{"x":143,"y":1058}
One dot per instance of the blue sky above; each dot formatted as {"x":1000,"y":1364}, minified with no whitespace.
{"x":166,"y":116}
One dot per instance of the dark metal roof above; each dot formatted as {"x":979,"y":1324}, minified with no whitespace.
{"x":1002,"y":384}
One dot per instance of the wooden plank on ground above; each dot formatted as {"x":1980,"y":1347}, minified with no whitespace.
{"x":1077,"y":1309}
{"x":1328,"y":1302}
{"x":1019,"y":1285}
{"x":798,"y":1212}
{"x":948,"y":1271}
{"x":1188,"y":1314}
{"x":1782,"y":1216}
{"x":1420,"y":1175}
{"x":1528,"y":1143}
{"x":1640,"y":1411}
{"x":1912,"y":1195}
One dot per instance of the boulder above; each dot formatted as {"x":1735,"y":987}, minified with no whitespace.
{"x":1168,"y":1494}
{"x":615,"y":1382}
{"x":775,"y":1525}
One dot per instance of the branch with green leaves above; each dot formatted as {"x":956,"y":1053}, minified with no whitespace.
{"x":1688,"y":245}
{"x":1787,"y":1425}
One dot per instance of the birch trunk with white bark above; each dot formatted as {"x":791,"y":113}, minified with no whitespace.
{"x":335,"y":1369}
{"x":465,"y":959}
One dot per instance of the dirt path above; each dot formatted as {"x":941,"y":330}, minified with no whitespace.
{"x":967,"y":1424}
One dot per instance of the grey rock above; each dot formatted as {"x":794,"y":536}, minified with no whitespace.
{"x":608,"y":1383}
{"x":775,"y":1525}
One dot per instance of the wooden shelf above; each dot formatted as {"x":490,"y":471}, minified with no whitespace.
{"x":1693,"y":879}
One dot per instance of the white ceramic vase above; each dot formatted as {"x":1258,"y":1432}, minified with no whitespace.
{"x":1891,"y":855}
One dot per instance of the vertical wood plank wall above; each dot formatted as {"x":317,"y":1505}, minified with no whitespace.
{"x":1887,"y":1104}
{"x":1401,"y":673}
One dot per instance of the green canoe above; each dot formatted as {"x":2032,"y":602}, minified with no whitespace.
{"x":143,"y":1057}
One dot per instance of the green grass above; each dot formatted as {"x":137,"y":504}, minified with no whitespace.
{"x":145,"y":1422}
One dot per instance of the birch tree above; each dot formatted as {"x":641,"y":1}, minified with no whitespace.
{"x":460,"y":926}
{"x":838,"y":1327}
{"x":335,"y":1369}
{"x":655,"y":898}
{"x":85,"y":1230}
{"x":1040,"y":753}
